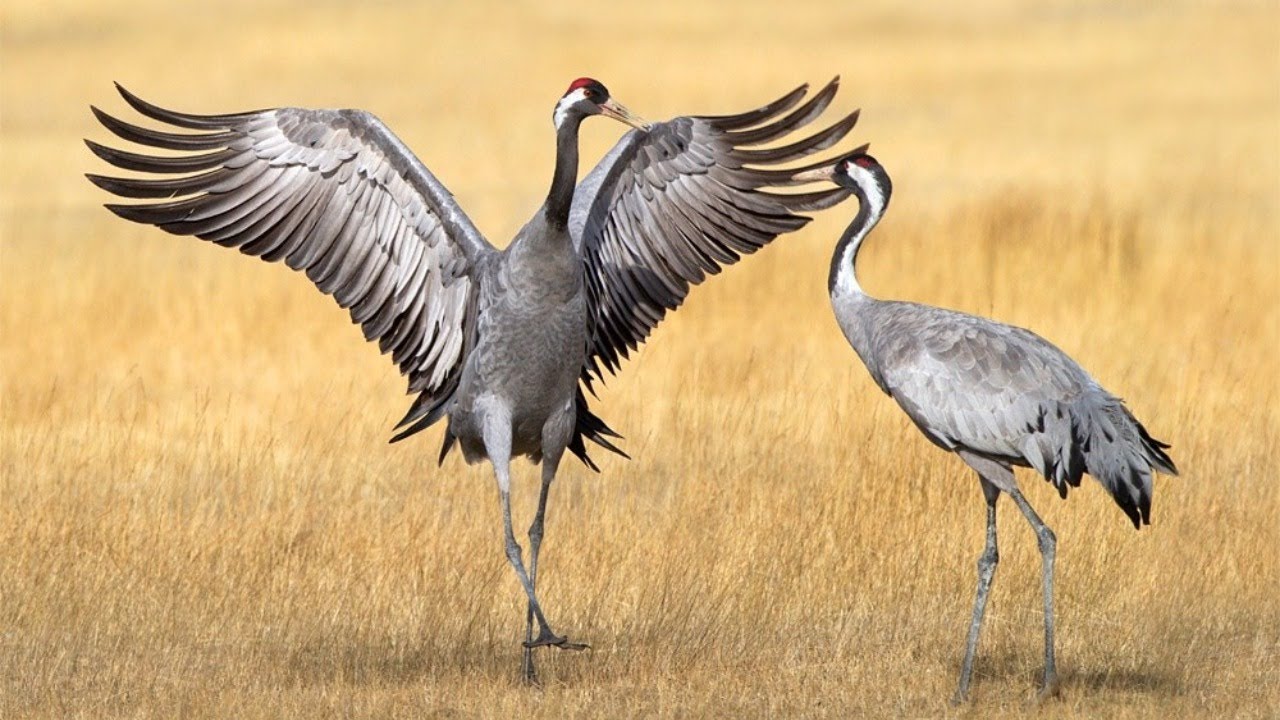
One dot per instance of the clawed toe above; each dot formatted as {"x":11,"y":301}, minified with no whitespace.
{"x":546,"y":637}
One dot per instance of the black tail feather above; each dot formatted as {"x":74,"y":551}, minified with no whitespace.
{"x":1156,"y":451}
{"x":449,"y":440}
{"x":426,"y":411}
{"x":591,"y":427}
{"x":1123,"y":456}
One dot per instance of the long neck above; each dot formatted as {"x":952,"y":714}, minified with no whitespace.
{"x":843,"y":279}
{"x":560,"y":197}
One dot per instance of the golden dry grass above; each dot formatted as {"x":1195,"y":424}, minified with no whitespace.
{"x":201,"y":517}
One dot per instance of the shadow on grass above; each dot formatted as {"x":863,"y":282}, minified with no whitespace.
{"x":1014,"y":668}
{"x":359,"y":660}
{"x":1129,"y":680}
{"x":354,"y":660}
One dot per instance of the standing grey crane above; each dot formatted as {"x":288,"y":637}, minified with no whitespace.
{"x":994,"y":394}
{"x":502,"y":343}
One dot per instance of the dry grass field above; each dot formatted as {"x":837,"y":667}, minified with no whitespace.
{"x":201,"y":516}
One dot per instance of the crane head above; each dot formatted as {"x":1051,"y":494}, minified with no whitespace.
{"x":587,"y":96}
{"x":856,"y":171}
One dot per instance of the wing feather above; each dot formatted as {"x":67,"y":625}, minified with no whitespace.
{"x":670,"y":206}
{"x":332,"y":193}
{"x":975,"y":384}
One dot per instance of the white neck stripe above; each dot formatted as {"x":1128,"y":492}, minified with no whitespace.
{"x":566,"y":104}
{"x":870,"y":187}
{"x":846,"y":279}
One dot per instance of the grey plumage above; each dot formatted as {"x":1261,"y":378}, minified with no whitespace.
{"x":502,"y":343}
{"x":331,"y":193}
{"x":994,"y":394}
{"x":1006,"y":393}
{"x":667,"y":207}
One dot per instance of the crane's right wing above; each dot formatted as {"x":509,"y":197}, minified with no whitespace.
{"x":671,"y":205}
{"x":332,"y":193}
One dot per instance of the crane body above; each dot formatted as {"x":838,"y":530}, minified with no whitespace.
{"x":996,"y":395}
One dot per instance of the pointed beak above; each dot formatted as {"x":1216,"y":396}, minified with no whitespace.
{"x":619,"y":112}
{"x":825,"y":173}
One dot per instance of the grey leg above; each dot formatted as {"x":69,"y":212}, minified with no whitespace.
{"x":986,"y":571}
{"x":1048,"y":549}
{"x":549,"y":466}
{"x":514,"y":556}
{"x":497,"y":440}
{"x":535,"y":530}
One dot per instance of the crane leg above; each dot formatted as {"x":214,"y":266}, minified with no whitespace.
{"x":1048,"y":550}
{"x":497,"y":441}
{"x":549,"y":465}
{"x":987,"y":563}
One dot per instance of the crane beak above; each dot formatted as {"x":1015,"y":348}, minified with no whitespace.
{"x":619,"y":112}
{"x":825,"y":173}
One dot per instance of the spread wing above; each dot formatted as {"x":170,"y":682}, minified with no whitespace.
{"x":667,"y":207}
{"x":332,"y":193}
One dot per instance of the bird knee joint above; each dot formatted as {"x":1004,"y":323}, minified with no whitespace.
{"x":1048,"y":541}
{"x":987,"y":561}
{"x":514,"y":552}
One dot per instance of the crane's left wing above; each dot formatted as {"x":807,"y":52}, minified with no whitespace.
{"x":333,"y":194}
{"x":671,"y":205}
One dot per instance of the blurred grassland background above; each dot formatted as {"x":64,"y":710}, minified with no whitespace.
{"x":201,"y":516}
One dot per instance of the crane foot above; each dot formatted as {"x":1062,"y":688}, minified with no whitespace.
{"x":1052,"y":688}
{"x":546,"y":637}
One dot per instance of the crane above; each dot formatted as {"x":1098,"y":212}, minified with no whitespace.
{"x":993,"y":394}
{"x":501,"y":343}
